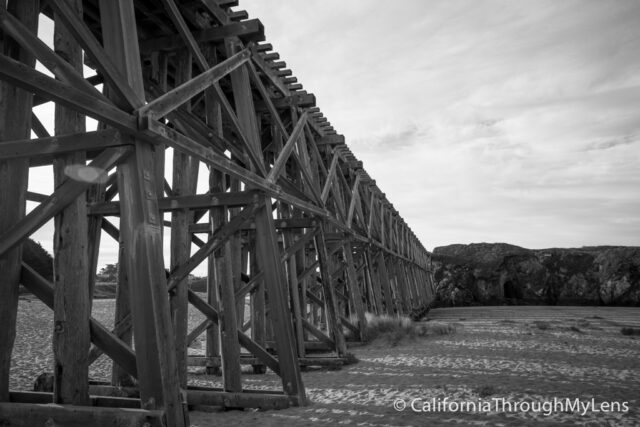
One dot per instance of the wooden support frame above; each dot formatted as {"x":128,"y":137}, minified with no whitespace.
{"x":315,"y":241}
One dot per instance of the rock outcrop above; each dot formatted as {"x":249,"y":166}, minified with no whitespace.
{"x":499,"y":273}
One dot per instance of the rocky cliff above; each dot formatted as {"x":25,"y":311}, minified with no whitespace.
{"x":499,"y":273}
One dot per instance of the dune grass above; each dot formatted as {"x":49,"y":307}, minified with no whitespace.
{"x":393,"y":330}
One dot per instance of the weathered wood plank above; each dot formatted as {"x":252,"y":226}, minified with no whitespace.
{"x":185,"y":179}
{"x":142,"y":233}
{"x":355,"y":293}
{"x":284,"y":154}
{"x":227,"y":399}
{"x":15,"y":108}
{"x":28,"y":415}
{"x":45,"y":148}
{"x":72,"y":302}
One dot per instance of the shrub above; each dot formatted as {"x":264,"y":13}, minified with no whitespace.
{"x":384,"y":325}
{"x":396,"y":329}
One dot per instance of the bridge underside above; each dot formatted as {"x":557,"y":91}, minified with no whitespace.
{"x":298,"y":240}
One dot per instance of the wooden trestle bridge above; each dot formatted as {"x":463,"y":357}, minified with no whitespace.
{"x":291,"y":223}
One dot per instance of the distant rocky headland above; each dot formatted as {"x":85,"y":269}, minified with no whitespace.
{"x":499,"y":273}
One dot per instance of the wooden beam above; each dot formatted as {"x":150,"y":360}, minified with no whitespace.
{"x":355,"y":198}
{"x":173,"y":203}
{"x":185,"y":179}
{"x":286,"y":150}
{"x":15,"y":114}
{"x":261,"y":401}
{"x":72,"y":303}
{"x":29,"y":414}
{"x":141,"y":231}
{"x":160,"y":106}
{"x":45,"y":148}
{"x":330,"y":177}
{"x":329,"y":294}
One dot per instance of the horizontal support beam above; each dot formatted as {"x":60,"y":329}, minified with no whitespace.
{"x":281,"y":224}
{"x":174,"y":203}
{"x":44,"y":149}
{"x":95,"y":401}
{"x":261,"y":401}
{"x":31,"y":414}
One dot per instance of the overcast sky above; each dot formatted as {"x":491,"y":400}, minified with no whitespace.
{"x":482,"y":121}
{"x":495,"y":121}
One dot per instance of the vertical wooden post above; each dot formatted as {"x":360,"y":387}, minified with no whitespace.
{"x":15,"y":109}
{"x":292,"y":268}
{"x":303,"y":260}
{"x":213,"y":115}
{"x":354,"y":287}
{"x":270,"y":264}
{"x":119,"y":377}
{"x":331,"y":307}
{"x":230,"y":348}
{"x":140,"y":224}
{"x":267,"y":246}
{"x":374,"y":280}
{"x":71,"y":295}
{"x":258,"y":320}
{"x":185,"y":179}
{"x":384,"y":281}
{"x":95,"y":193}
{"x":403,"y":301}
